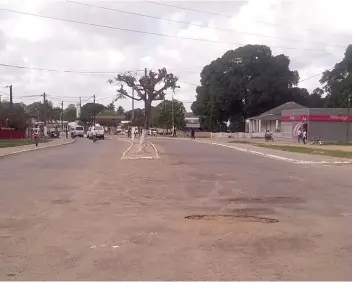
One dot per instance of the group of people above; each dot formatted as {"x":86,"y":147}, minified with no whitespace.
{"x":302,"y":136}
{"x":135,"y":131}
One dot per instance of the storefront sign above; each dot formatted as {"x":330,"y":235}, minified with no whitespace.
{"x":302,"y":118}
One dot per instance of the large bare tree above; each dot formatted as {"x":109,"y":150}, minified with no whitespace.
{"x":145,"y":88}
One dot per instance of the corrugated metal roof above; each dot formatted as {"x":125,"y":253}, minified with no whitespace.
{"x":275,"y":113}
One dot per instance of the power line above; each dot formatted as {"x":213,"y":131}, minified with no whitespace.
{"x":301,"y":80}
{"x":150,"y":33}
{"x":194,"y":24}
{"x":64,"y":71}
{"x":220,"y":15}
{"x":320,"y":73}
{"x":5,"y":93}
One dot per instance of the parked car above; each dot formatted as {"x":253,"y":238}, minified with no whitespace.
{"x":79,"y":131}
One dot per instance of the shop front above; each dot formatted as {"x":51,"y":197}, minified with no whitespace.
{"x":331,"y":124}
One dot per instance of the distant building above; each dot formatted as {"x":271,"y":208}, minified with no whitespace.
{"x":332,"y":124}
{"x":192,"y":122}
{"x":109,"y":120}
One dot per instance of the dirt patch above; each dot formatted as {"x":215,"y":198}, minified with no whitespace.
{"x":250,"y":211}
{"x":270,"y":200}
{"x":60,"y":201}
{"x":244,"y":218}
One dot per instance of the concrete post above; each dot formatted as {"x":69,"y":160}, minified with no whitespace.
{"x":259,"y":125}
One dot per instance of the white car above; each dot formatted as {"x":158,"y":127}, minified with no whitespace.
{"x":79,"y":131}
{"x":99,"y":132}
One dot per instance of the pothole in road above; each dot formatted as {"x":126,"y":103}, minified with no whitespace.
{"x":244,"y":218}
{"x":271,"y":200}
{"x":60,"y":201}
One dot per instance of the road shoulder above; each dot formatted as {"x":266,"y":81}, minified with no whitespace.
{"x":277,"y":154}
{"x":10,"y":151}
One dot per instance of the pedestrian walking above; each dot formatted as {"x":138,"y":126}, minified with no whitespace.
{"x":36,"y":137}
{"x":192,"y":133}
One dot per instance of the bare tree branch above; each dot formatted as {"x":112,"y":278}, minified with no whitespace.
{"x":122,"y":94}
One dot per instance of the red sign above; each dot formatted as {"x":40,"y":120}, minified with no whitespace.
{"x":341,"y":118}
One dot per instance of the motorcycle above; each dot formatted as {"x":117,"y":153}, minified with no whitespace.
{"x":316,"y":140}
{"x":269,"y":137}
{"x":94,"y":138}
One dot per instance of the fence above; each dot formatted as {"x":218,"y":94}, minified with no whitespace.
{"x":11,"y":134}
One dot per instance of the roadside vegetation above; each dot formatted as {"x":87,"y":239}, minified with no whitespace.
{"x":300,"y":149}
{"x":4,"y":143}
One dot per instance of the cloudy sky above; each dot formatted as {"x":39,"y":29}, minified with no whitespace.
{"x":313,"y":34}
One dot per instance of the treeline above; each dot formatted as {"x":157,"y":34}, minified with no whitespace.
{"x":249,"y":80}
{"x":19,"y":114}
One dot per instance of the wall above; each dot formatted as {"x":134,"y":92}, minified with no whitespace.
{"x":203,"y":134}
{"x":11,"y":134}
{"x":286,"y":129}
{"x":330,"y":131}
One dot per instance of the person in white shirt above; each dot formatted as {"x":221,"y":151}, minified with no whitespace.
{"x":300,"y":135}
{"x":94,"y":134}
{"x":304,"y":137}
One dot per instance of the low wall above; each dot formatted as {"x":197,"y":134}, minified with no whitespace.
{"x":11,"y":134}
{"x":203,"y":134}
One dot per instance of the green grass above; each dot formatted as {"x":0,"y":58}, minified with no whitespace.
{"x":4,"y":143}
{"x":338,"y":143}
{"x":242,"y":142}
{"x":308,"y":150}
{"x":301,"y":149}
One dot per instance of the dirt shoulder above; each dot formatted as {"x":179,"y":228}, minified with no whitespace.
{"x":30,"y":147}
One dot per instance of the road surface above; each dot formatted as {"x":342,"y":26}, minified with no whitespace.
{"x":79,"y":212}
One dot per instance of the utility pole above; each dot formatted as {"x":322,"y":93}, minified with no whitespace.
{"x":173,"y":112}
{"x":62,"y":115}
{"x":133,"y":105}
{"x":45,"y":110}
{"x":10,"y":95}
{"x":94,"y":108}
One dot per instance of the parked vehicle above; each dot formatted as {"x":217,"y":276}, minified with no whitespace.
{"x":317,"y":140}
{"x":79,"y":131}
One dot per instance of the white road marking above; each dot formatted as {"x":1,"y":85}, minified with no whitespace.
{"x":123,"y":157}
{"x":148,"y":235}
{"x":275,"y":156}
{"x":127,"y":150}
{"x":155,"y":149}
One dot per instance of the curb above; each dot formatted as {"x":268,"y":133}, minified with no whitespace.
{"x":271,"y":156}
{"x":36,"y":149}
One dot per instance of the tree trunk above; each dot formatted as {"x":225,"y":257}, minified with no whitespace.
{"x":148,"y":106}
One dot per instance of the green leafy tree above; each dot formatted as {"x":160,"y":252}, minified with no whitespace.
{"x":242,"y":83}
{"x":139,"y":117}
{"x":111,"y":107}
{"x":163,"y":116}
{"x":89,"y":110}
{"x":42,"y":111}
{"x":337,"y":82}
{"x":120,"y":111}
{"x":150,"y":87}
{"x":107,"y":112}
{"x":70,"y":113}
{"x":13,"y":116}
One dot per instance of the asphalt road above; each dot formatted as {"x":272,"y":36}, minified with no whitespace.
{"x":79,"y":212}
